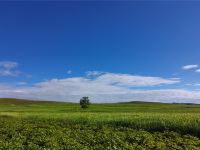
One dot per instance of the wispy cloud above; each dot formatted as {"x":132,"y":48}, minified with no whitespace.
{"x":9,"y":68}
{"x":133,"y":80}
{"x":94,"y":73}
{"x":21,"y":83}
{"x":198,"y":70}
{"x":69,"y":71}
{"x":189,"y":67}
{"x":8,"y":64}
{"x":193,"y":84}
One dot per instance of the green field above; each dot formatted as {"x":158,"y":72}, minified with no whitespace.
{"x":135,"y":125}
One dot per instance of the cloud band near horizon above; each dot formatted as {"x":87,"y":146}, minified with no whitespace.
{"x":103,"y":87}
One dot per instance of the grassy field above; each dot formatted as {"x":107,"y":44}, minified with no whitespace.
{"x":135,"y":125}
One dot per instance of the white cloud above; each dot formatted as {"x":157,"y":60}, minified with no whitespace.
{"x":21,"y":83}
{"x":175,"y":78}
{"x":189,"y":67}
{"x":8,"y":68}
{"x":8,"y":64}
{"x":198,"y":70}
{"x":94,"y":73}
{"x":103,"y":93}
{"x":107,"y":87}
{"x":69,"y":71}
{"x":193,"y":84}
{"x":133,"y":80}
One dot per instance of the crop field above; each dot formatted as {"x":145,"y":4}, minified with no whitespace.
{"x":136,"y":125}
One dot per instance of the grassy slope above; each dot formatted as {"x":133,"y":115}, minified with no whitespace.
{"x":103,"y":125}
{"x":149,"y":116}
{"x":20,"y":105}
{"x":138,"y":115}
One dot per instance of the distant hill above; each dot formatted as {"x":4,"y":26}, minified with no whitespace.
{"x":27,"y":101}
{"x":140,"y":102}
{"x":145,"y":102}
{"x":21,"y":101}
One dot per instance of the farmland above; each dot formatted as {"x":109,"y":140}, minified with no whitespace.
{"x":135,"y":125}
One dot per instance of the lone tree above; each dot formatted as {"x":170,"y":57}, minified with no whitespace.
{"x":84,"y":102}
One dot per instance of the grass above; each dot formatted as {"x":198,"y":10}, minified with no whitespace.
{"x":121,"y":119}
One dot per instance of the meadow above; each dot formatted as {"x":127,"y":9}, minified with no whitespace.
{"x":36,"y":125}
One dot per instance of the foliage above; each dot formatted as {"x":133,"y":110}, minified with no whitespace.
{"x":57,"y":125}
{"x":84,"y":102}
{"x":42,"y":134}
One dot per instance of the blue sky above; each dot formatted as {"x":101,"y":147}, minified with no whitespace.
{"x":110,"y":51}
